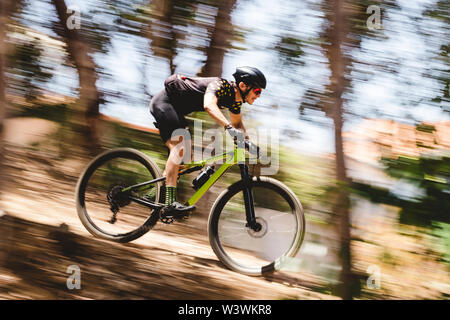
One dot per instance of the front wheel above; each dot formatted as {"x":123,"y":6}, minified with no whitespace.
{"x":280,"y":235}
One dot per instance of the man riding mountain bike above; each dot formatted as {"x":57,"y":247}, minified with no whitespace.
{"x":183,"y":95}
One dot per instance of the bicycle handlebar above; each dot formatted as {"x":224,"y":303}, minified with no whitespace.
{"x":238,"y":138}
{"x":251,"y":147}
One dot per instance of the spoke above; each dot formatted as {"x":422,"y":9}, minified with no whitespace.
{"x":280,"y":215}
{"x":233,"y":221}
{"x":281,"y":231}
{"x":232,"y":235}
{"x":234,"y":228}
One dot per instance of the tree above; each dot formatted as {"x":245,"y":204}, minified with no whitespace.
{"x":336,"y":32}
{"x":89,"y":95}
{"x":220,"y":40}
{"x":345,"y":27}
{"x":427,"y":209}
{"x":7,"y":7}
{"x":3,"y":21}
{"x":30,"y":74}
{"x":430,"y":174}
{"x":161,"y":31}
{"x":439,"y":12}
{"x":164,"y":46}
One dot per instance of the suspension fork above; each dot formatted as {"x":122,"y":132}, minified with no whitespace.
{"x":248,"y":199}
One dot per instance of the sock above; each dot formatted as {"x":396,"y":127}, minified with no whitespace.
{"x":171,"y":195}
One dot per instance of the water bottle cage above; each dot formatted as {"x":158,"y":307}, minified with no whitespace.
{"x":202,"y":177}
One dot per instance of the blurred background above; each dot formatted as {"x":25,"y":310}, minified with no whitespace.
{"x":358,"y":91}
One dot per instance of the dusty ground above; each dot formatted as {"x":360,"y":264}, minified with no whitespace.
{"x":41,"y":236}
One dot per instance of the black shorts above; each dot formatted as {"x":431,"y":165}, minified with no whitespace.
{"x":166,"y":116}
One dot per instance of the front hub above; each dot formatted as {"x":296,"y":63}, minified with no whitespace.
{"x":258,"y":229}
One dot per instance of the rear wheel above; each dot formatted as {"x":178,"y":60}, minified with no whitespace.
{"x":99,"y":194}
{"x":280,"y":232}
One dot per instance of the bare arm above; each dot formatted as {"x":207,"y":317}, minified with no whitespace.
{"x":236,"y":121}
{"x":210,"y":103}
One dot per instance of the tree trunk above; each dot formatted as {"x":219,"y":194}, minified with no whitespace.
{"x":7,"y":7}
{"x":215,"y":53}
{"x":220,"y":40}
{"x":342,"y":210}
{"x":161,"y":31}
{"x":89,"y":98}
{"x":336,"y":36}
{"x":3,"y":18}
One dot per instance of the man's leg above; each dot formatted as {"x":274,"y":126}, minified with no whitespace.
{"x":170,"y":125}
{"x":172,"y":167}
{"x":177,"y":146}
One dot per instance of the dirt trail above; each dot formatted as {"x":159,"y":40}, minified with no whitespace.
{"x":41,"y":236}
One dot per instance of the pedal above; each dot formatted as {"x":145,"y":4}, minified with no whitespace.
{"x":184,"y":216}
{"x":176,"y":216}
{"x":169,"y":217}
{"x":166,"y":220}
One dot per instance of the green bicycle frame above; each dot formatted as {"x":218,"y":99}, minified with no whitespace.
{"x":238,"y":156}
{"x":231,"y":158}
{"x":234,"y":157}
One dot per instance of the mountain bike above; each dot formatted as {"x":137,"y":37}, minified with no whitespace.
{"x":253,"y":227}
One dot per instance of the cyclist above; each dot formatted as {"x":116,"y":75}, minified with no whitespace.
{"x":183,"y":95}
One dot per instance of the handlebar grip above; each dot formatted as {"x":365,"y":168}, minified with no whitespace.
{"x":251,"y":147}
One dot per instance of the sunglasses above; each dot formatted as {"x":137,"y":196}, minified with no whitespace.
{"x":257,"y":91}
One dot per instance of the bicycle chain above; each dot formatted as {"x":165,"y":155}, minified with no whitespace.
{"x":114,"y":210}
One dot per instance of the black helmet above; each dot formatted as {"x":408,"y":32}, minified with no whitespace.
{"x":250,"y":76}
